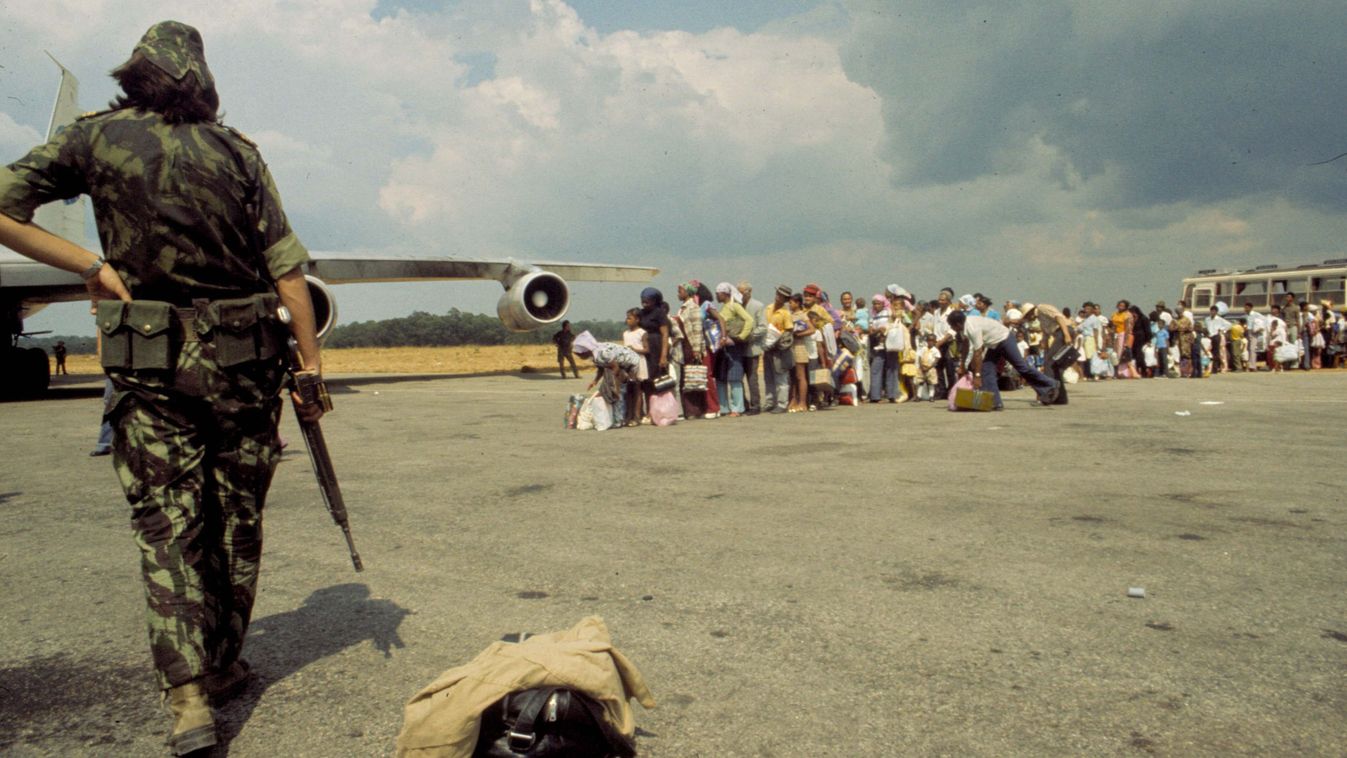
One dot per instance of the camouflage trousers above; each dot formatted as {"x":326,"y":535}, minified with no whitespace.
{"x":195,"y":449}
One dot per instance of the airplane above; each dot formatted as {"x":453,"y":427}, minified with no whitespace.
{"x":536,"y":293}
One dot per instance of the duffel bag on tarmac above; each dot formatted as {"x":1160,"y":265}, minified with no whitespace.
{"x":549,"y":722}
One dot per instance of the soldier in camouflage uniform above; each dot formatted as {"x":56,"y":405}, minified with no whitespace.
{"x":198,"y":253}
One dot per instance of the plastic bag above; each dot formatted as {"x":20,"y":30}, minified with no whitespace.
{"x":773,"y":336}
{"x":603,"y":414}
{"x":965,"y":383}
{"x":584,"y":420}
{"x":663,"y":408}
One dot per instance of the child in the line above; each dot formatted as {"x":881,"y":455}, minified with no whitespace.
{"x":1160,"y":341}
{"x":1239,"y":347}
{"x":636,"y":338}
{"x":927,"y":358}
{"x":1101,"y":365}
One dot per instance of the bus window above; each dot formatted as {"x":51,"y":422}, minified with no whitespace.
{"x":1187,"y":293}
{"x":1202,"y":297}
{"x":1330,"y":289}
{"x":1252,"y":293}
{"x":1282,"y":287}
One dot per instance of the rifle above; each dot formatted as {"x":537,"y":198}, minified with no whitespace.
{"x":311,"y":389}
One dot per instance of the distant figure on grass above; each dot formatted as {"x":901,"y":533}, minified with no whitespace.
{"x":564,"y":339}
{"x":59,"y":352}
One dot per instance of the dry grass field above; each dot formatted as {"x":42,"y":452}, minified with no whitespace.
{"x":411,"y":360}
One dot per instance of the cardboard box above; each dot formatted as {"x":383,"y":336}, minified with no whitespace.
{"x":974,"y":400}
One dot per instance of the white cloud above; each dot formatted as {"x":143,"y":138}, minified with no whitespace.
{"x":15,"y":138}
{"x":851,"y":145}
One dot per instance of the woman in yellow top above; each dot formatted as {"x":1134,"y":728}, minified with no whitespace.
{"x":1122,"y":340}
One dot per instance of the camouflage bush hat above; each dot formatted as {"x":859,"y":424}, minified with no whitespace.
{"x":177,"y":49}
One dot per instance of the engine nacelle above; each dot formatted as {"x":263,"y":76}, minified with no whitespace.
{"x":534,"y":301}
{"x":324,"y":306}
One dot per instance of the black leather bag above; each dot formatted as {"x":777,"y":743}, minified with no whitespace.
{"x":549,"y":722}
{"x":1063,"y":357}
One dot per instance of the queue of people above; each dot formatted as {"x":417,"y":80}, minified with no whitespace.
{"x":721,"y":352}
{"x":1178,"y":342}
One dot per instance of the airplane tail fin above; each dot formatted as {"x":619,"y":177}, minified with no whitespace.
{"x":64,"y":219}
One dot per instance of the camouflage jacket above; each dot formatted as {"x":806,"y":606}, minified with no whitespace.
{"x":183,"y":211}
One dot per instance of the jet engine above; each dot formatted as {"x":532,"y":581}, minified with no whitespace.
{"x":533,"y":301}
{"x":324,"y":306}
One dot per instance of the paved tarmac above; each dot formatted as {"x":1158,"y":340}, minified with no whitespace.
{"x":886,"y":580}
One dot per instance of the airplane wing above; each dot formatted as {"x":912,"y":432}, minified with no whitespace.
{"x":535,"y":293}
{"x":345,"y":268}
{"x":535,"y":296}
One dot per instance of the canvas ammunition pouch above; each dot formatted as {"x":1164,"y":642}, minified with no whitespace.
{"x":146,"y":335}
{"x":245,"y":329}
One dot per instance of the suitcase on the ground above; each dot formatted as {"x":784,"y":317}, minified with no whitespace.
{"x":974,"y":400}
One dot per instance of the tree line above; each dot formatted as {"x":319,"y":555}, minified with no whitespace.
{"x":420,"y":329}
{"x":423,"y":329}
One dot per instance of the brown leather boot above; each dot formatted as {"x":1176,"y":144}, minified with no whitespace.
{"x":225,"y":685}
{"x":193,"y":723}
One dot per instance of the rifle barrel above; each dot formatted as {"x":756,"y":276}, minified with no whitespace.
{"x":327,"y":484}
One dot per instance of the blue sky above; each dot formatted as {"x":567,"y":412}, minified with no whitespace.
{"x":1047,"y":150}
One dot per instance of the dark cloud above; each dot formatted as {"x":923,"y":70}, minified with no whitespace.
{"x":1199,"y":102}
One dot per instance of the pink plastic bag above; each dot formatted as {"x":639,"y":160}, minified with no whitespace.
{"x":965,"y":383}
{"x":663,"y":408}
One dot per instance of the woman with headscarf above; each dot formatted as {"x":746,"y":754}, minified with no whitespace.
{"x":689,"y":323}
{"x":838,"y":319}
{"x":883,"y":367}
{"x":713,"y":331}
{"x":617,"y":365}
{"x":654,"y":319}
{"x":730,"y":366}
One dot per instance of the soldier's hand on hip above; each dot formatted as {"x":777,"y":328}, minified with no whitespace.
{"x":107,"y":285}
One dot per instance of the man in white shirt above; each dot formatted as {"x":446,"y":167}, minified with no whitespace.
{"x":1217,"y":329}
{"x":946,"y":371}
{"x":990,"y":341}
{"x":1256,"y":323}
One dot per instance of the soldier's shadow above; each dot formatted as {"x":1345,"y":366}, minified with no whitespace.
{"x":330,"y":620}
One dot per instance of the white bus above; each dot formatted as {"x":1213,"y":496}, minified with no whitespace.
{"x":1265,"y":285}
